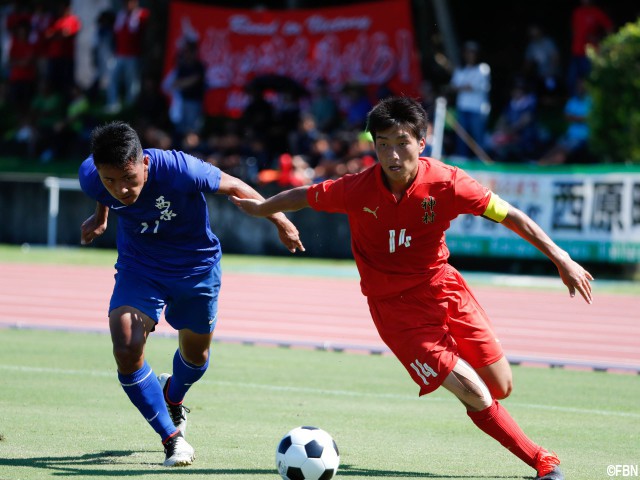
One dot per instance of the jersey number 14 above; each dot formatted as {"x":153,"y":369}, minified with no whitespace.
{"x":403,"y":239}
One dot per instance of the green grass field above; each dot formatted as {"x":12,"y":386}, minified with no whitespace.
{"x":64,"y":415}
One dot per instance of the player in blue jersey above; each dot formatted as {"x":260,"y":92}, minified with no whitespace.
{"x":168,"y":257}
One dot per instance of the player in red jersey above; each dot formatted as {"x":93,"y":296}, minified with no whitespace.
{"x":398,"y":212}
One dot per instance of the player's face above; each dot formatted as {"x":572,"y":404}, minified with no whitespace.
{"x":125,"y":184}
{"x":398,"y":152}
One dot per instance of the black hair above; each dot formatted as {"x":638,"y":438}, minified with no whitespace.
{"x":393,"y":111}
{"x":115,"y":144}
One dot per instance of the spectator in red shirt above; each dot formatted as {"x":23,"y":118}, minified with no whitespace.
{"x":60,"y":49}
{"x":129,"y":29}
{"x":17,"y":14}
{"x":22,"y":66}
{"x":588,"y":25}
{"x":41,"y":20}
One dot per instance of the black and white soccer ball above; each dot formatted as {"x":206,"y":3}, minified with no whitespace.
{"x":307,"y":453}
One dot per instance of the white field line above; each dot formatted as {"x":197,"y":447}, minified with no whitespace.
{"x":319,"y":391}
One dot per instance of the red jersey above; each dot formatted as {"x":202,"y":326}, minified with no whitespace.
{"x":22,"y":59}
{"x":129,"y":30}
{"x":399,"y":245}
{"x":61,"y":37}
{"x":589,"y":24}
{"x":16,"y":18}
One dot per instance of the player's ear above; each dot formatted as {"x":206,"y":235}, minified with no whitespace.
{"x":145,"y":163}
{"x":422,"y":143}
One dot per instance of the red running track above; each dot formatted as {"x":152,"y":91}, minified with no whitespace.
{"x":535,"y":326}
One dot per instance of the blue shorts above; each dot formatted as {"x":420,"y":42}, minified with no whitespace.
{"x":191,"y":302}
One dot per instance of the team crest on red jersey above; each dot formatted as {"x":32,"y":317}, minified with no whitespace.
{"x":428,"y":204}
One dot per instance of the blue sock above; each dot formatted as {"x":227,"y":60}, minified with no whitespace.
{"x":145,"y":393}
{"x":184,"y":375}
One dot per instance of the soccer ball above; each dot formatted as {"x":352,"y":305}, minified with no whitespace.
{"x":307,"y":453}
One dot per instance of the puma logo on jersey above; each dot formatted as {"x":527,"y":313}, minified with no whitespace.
{"x":372,"y":212}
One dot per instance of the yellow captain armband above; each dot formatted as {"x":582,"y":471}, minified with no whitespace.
{"x":497,"y":209}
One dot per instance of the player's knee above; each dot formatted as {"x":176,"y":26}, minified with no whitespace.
{"x":501,"y":390}
{"x":504,"y":391}
{"x":127,"y":357}
{"x":198,"y":358}
{"x":195,"y":348}
{"x":129,"y":329}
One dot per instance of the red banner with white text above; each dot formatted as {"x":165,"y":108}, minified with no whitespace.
{"x":370,"y":44}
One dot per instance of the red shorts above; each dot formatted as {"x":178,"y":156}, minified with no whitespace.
{"x":430,"y":327}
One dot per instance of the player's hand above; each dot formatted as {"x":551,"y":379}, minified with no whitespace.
{"x":91,"y":229}
{"x":575,"y":277}
{"x":249,"y":206}
{"x":290,"y":237}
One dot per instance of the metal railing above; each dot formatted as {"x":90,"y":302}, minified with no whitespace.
{"x":54,"y":185}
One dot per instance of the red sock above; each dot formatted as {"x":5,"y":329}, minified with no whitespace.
{"x":496,"y":422}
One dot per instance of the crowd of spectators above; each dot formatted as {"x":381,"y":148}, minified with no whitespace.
{"x":543,"y":89}
{"x":287,"y":133}
{"x":41,"y":106}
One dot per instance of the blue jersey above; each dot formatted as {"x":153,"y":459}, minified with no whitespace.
{"x":166,"y":231}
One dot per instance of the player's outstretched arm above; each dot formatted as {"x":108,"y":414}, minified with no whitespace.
{"x":286,"y":201}
{"x":239,"y":190}
{"x":573,"y":275}
{"x":95,"y":225}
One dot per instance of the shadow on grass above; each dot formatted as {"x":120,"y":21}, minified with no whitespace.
{"x":81,"y":466}
{"x":350,"y":471}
